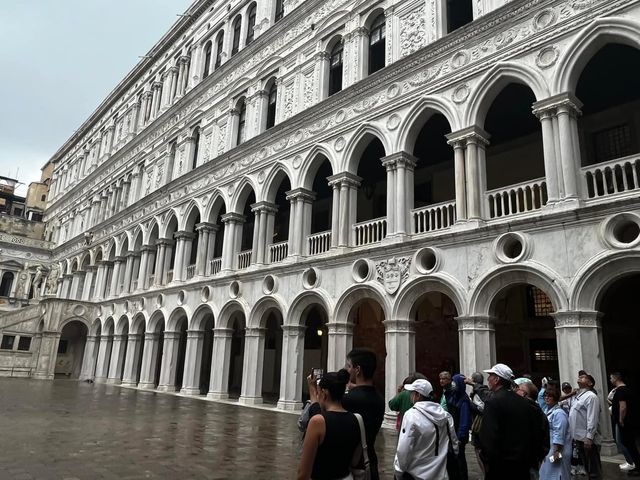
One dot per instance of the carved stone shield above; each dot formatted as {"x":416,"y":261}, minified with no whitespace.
{"x":392,"y":272}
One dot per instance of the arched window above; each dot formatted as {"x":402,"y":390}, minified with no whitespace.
{"x":335,"y":68}
{"x":196,"y":143}
{"x":251,"y":23}
{"x":377,"y":44}
{"x":271,"y":105}
{"x":219,"y":47}
{"x":279,"y":10}
{"x":242,"y":118}
{"x":43,"y":198}
{"x":237,"y":25}
{"x":207,"y":59}
{"x":5,"y":284}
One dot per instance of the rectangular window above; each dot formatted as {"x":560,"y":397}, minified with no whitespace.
{"x":24,"y":344}
{"x":63,"y":346}
{"x":7,"y":342}
{"x":612,"y":143}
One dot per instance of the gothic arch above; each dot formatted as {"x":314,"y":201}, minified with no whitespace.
{"x":216,"y":202}
{"x":592,"y":280}
{"x":494,"y":81}
{"x":273,"y":182}
{"x":409,"y":294}
{"x":245,"y":186}
{"x":169,"y":215}
{"x":355,"y":294}
{"x":149,"y":229}
{"x":419,"y":114}
{"x":504,"y":276}
{"x":257,"y":315}
{"x":305,"y":300}
{"x":587,"y":43}
{"x":312,"y":163}
{"x":363,"y":135}
{"x":187,"y":220}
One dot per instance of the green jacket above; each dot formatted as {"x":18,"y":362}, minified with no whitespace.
{"x":401,"y":402}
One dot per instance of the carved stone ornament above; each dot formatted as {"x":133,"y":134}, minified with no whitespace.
{"x":339,"y":144}
{"x":547,"y":57}
{"x":297,"y":161}
{"x":393,"y":122}
{"x":460,"y":93}
{"x":261,"y":177}
{"x":391,"y":273}
{"x":544,"y":19}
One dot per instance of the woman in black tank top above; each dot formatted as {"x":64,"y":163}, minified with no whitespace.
{"x":333,"y":436}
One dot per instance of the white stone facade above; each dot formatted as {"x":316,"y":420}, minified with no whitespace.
{"x":193,"y":237}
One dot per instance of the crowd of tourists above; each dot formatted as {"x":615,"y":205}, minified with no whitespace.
{"x":517,"y":431}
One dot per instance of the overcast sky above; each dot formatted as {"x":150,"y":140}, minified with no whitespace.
{"x":58,"y":60}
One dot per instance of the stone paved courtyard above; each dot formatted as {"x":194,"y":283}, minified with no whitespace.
{"x":68,"y":430}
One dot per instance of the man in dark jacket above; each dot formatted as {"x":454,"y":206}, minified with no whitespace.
{"x":509,"y":426}
{"x":459,"y":406}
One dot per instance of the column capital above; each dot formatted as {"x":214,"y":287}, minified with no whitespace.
{"x":399,"y":326}
{"x":151,"y":336}
{"x":346,"y":178}
{"x":119,"y":259}
{"x":302,"y":193}
{"x":255,"y":332}
{"x":184,"y":59}
{"x":119,"y":337}
{"x":135,"y":336}
{"x":359,"y":32}
{"x":223,"y":332}
{"x":67,"y":276}
{"x":472,"y":134}
{"x":156,"y":85}
{"x":105,"y":263}
{"x":340,"y":328}
{"x":172,"y":335}
{"x":263,"y":206}
{"x":475,"y":323}
{"x":294,"y":330}
{"x":400,"y":158}
{"x":147,"y":248}
{"x":195,"y":333}
{"x":259,"y":93}
{"x":80,"y":273}
{"x":577,"y":319}
{"x":164,"y":241}
{"x":232,"y":217}
{"x":323,"y":55}
{"x":181,"y":235}
{"x":207,"y":226}
{"x":566,"y":102}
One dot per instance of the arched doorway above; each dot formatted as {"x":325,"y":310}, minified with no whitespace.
{"x":525,"y":331}
{"x":620,"y":332}
{"x":207,"y":352}
{"x":272,"y":359}
{"x":71,"y":350}
{"x":315,"y":342}
{"x":372,"y":194}
{"x":436,"y":337}
{"x":367,"y":317}
{"x":6,"y":283}
{"x":237,"y":323}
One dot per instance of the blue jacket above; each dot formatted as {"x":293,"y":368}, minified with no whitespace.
{"x":459,"y":406}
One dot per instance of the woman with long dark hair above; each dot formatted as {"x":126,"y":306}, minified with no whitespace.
{"x":332,"y":437}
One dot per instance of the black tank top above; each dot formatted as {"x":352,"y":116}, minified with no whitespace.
{"x":335,"y":453}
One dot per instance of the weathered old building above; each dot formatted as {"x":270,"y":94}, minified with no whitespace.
{"x":451,"y":183}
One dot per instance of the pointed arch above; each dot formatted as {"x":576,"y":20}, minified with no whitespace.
{"x":191,"y":212}
{"x":273,"y":182}
{"x":244,"y":189}
{"x":419,"y":115}
{"x":504,"y":276}
{"x":494,"y":81}
{"x":359,"y":141}
{"x":149,"y":231}
{"x":586,"y":44}
{"x":169,"y":216}
{"x":311,"y":164}
{"x":405,"y":302}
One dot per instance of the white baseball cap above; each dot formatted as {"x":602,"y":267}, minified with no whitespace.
{"x":423,"y":387}
{"x":501,"y":370}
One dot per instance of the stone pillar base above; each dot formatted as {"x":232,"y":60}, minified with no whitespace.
{"x":569,"y":203}
{"x":42,"y":376}
{"x":128,"y":384}
{"x":100,"y":380}
{"x":290,"y":405}
{"x":147,"y":386}
{"x":218,"y":395}
{"x":113,"y":381}
{"x":166,"y":388}
{"x":250,"y":400}
{"x":190,"y":391}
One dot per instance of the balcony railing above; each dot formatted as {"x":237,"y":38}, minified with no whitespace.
{"x":215,"y":266}
{"x":191,"y":271}
{"x":372,"y":231}
{"x":278,"y":251}
{"x":169,"y":276}
{"x":244,"y":259}
{"x":319,"y":242}
{"x":433,"y":217}
{"x":612,"y":177}
{"x":515,"y":199}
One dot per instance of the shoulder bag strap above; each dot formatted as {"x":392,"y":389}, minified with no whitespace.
{"x":363,"y":441}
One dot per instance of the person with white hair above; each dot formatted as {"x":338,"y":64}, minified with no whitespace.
{"x":426,"y":435}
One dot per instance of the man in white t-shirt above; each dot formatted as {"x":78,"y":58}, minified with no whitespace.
{"x":584,"y":417}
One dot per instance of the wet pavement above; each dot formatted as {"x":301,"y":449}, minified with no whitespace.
{"x":65,"y":430}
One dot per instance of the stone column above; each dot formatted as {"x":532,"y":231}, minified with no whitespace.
{"x":143,"y":272}
{"x":568,"y":108}
{"x":193,"y":362}
{"x":259,"y":100}
{"x":104,"y":358}
{"x":477,"y":343}
{"x":74,"y":293}
{"x":149,"y":360}
{"x":400,"y":192}
{"x":340,"y":342}
{"x":46,"y":362}
{"x":132,"y":360}
{"x":400,"y":344}
{"x":169,"y":362}
{"x":460,"y":178}
{"x":221,"y":361}
{"x":252,"y":366}
{"x":115,"y":279}
{"x":335,"y":213}
{"x":128,"y":271}
{"x":161,"y":253}
{"x":65,"y":292}
{"x":89,"y":358}
{"x":180,"y":264}
{"x":202,"y":257}
{"x":117,"y":359}
{"x":580,"y":347}
{"x":292,"y":374}
{"x":303,"y":200}
{"x":88,"y":280}
{"x":349,"y":183}
{"x":100,"y":276}
{"x":230,"y":247}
